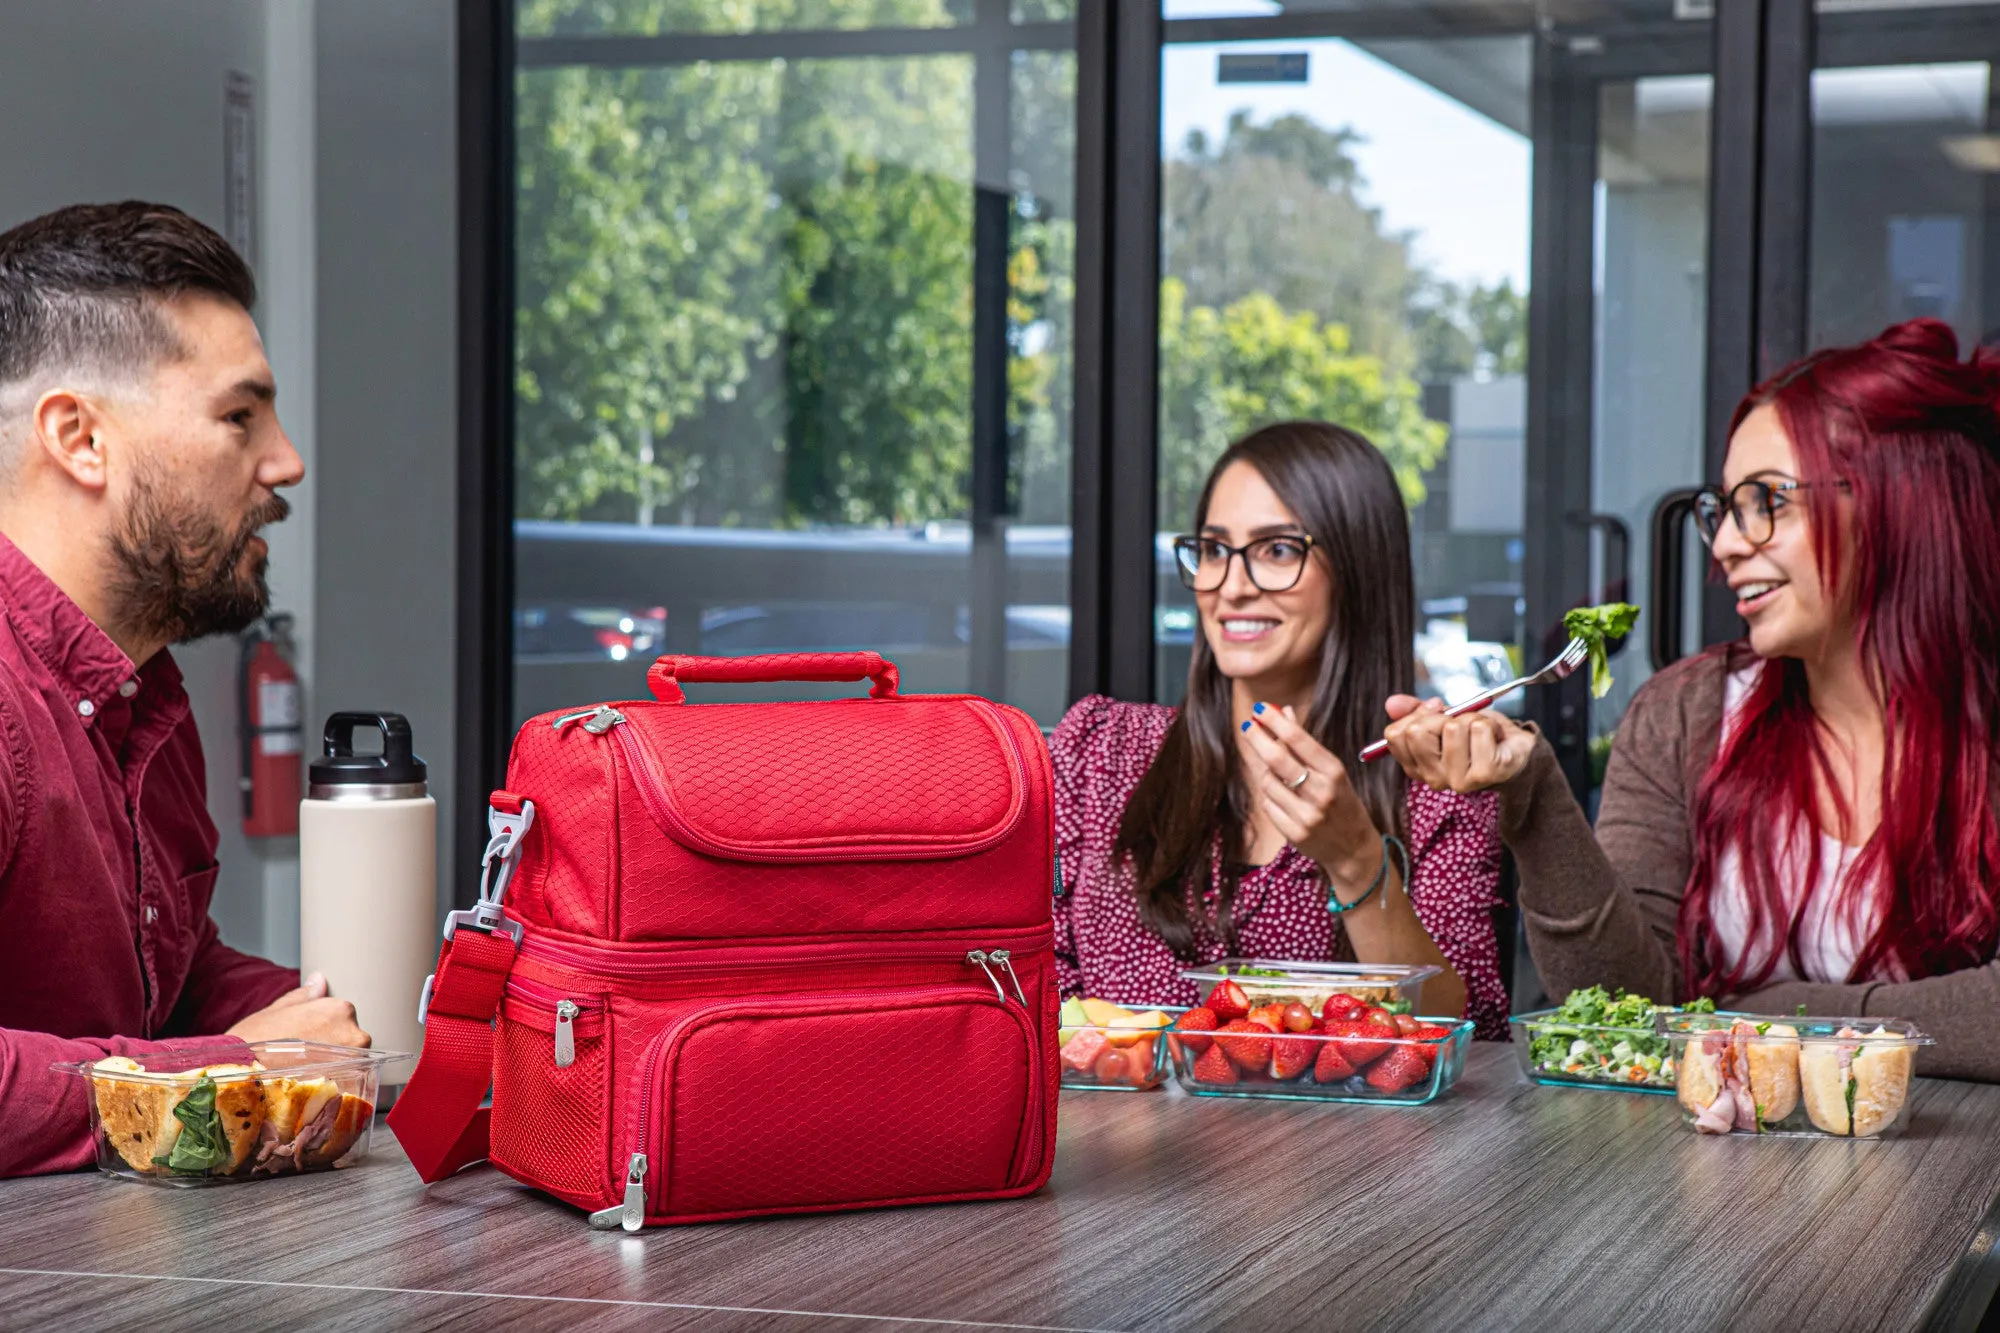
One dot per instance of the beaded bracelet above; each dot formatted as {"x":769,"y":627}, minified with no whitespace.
{"x":1335,"y":906}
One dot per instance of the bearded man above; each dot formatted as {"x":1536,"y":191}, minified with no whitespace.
{"x":140,"y":453}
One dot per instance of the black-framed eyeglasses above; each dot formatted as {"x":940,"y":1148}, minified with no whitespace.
{"x":1274,"y":564}
{"x":1754,"y":503}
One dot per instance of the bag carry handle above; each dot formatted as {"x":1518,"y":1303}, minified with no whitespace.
{"x":666,"y":675}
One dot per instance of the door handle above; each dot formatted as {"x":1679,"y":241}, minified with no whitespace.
{"x":1617,"y":565}
{"x":1665,"y":641}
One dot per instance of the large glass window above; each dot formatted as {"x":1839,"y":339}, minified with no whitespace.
{"x":1906,"y":153}
{"x":1344,"y":236}
{"x":762,"y":306}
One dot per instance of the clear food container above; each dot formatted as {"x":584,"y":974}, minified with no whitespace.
{"x":1564,"y":1053}
{"x":242,"y":1111}
{"x":1395,"y":986}
{"x":1322,"y":1066}
{"x":1121,"y":1053}
{"x":1801,"y":1077}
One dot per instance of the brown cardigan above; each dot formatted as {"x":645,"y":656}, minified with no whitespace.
{"x":1603,"y":910}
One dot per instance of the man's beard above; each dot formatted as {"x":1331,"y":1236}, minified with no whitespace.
{"x":178,"y":574}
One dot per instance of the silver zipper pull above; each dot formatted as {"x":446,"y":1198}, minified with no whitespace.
{"x":630,"y":1214}
{"x":979,"y":956}
{"x":603,"y":720}
{"x":566,"y":1012}
{"x":577,"y":716}
{"x":1005,"y":958}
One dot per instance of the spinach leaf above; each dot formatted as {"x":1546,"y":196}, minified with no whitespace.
{"x":201,"y":1144}
{"x":1595,"y":624}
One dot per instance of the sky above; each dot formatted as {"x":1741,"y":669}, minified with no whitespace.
{"x":1432,"y":165}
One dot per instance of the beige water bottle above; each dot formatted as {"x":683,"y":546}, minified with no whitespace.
{"x":368,"y":878}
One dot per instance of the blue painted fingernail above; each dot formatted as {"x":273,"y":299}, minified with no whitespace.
{"x":1246,"y":726}
{"x":1256,"y":708}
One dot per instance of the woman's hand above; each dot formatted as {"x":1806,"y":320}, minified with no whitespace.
{"x":1306,"y":792}
{"x":1467,"y":753}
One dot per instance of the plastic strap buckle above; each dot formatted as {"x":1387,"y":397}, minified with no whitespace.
{"x":503,"y":850}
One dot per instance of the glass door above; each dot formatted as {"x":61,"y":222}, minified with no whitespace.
{"x":791,"y":341}
{"x":1485,"y":251}
{"x":1905,"y":202}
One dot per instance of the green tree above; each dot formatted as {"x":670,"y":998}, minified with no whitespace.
{"x":1225,"y":372}
{"x":686,"y":232}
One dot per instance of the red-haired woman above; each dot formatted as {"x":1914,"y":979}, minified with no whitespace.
{"x":1806,"y":817}
{"x":1231,"y":824}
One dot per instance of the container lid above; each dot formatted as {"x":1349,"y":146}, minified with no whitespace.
{"x":395,"y":772}
{"x":280,"y":1059}
{"x":1810,"y":1030}
{"x":1269,"y":972}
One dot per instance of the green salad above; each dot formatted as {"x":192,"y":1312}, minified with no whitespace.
{"x":1594,"y":625}
{"x":1601,"y":1036}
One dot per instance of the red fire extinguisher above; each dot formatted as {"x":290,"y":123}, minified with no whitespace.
{"x":270,"y":730}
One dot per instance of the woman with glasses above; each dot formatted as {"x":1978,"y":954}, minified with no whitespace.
{"x":1233,"y":823}
{"x":1805,"y":817}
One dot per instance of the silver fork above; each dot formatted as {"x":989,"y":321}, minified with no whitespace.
{"x":1574,"y":654}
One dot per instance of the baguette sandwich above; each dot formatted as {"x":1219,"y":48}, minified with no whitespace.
{"x":1853,"y":1087}
{"x":1743,"y":1078}
{"x":207,"y":1128}
{"x":230,"y":1118}
{"x":311,"y":1123}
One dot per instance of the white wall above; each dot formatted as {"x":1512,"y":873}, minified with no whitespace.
{"x":387,"y":188}
{"x":119,"y":99}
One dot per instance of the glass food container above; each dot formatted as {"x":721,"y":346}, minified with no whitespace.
{"x":1323,"y":1066}
{"x":232,"y":1112}
{"x":1799,"y":1077}
{"x":1563,"y":1053}
{"x":1123,"y":1054}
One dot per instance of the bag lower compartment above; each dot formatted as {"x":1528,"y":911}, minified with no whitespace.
{"x":845,"y":1099}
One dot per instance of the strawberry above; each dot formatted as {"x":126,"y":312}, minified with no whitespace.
{"x":1214,"y":1067}
{"x":1293,"y":1056}
{"x":1405,"y":1024}
{"x":1432,"y":1036}
{"x":1331,"y":1066}
{"x":1402,"y":1068}
{"x":1339,"y":1007}
{"x":1271,"y":1016}
{"x":1195,"y":1020}
{"x":1228,"y":1001}
{"x":1298,"y":1018}
{"x":1081,"y":1051}
{"x":1250,"y":1053}
{"x":1360,"y":1041}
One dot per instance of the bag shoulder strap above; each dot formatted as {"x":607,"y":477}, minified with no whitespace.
{"x":438,"y":1117}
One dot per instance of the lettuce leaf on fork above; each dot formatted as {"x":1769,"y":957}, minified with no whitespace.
{"x":1594,"y":625}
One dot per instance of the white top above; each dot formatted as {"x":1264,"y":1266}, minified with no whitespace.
{"x":1829,"y":940}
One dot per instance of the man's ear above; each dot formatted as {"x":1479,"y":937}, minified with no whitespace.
{"x":69,"y":429}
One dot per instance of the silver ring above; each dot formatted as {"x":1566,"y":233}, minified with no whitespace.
{"x":1299,"y":781}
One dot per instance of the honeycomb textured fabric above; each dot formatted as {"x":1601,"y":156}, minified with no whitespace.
{"x":757,"y":1123}
{"x":1103,"y":748}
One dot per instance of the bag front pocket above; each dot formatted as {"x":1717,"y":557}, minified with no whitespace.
{"x":551,"y":1096}
{"x":840,"y":1099}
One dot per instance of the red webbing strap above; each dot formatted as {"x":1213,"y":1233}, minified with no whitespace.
{"x":438,"y":1118}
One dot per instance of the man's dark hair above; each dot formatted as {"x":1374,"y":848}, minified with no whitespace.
{"x":81,"y":289}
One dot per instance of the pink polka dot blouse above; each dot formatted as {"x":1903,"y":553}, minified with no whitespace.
{"x":1101,"y":750}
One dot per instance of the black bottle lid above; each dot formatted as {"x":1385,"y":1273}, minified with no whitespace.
{"x":395,"y":772}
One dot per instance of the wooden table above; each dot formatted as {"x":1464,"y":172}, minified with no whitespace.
{"x":1502,"y":1206}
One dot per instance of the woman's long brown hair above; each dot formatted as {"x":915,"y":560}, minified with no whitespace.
{"x":1344,"y":495}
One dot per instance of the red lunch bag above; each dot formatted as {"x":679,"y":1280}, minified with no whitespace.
{"x":737,"y":959}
